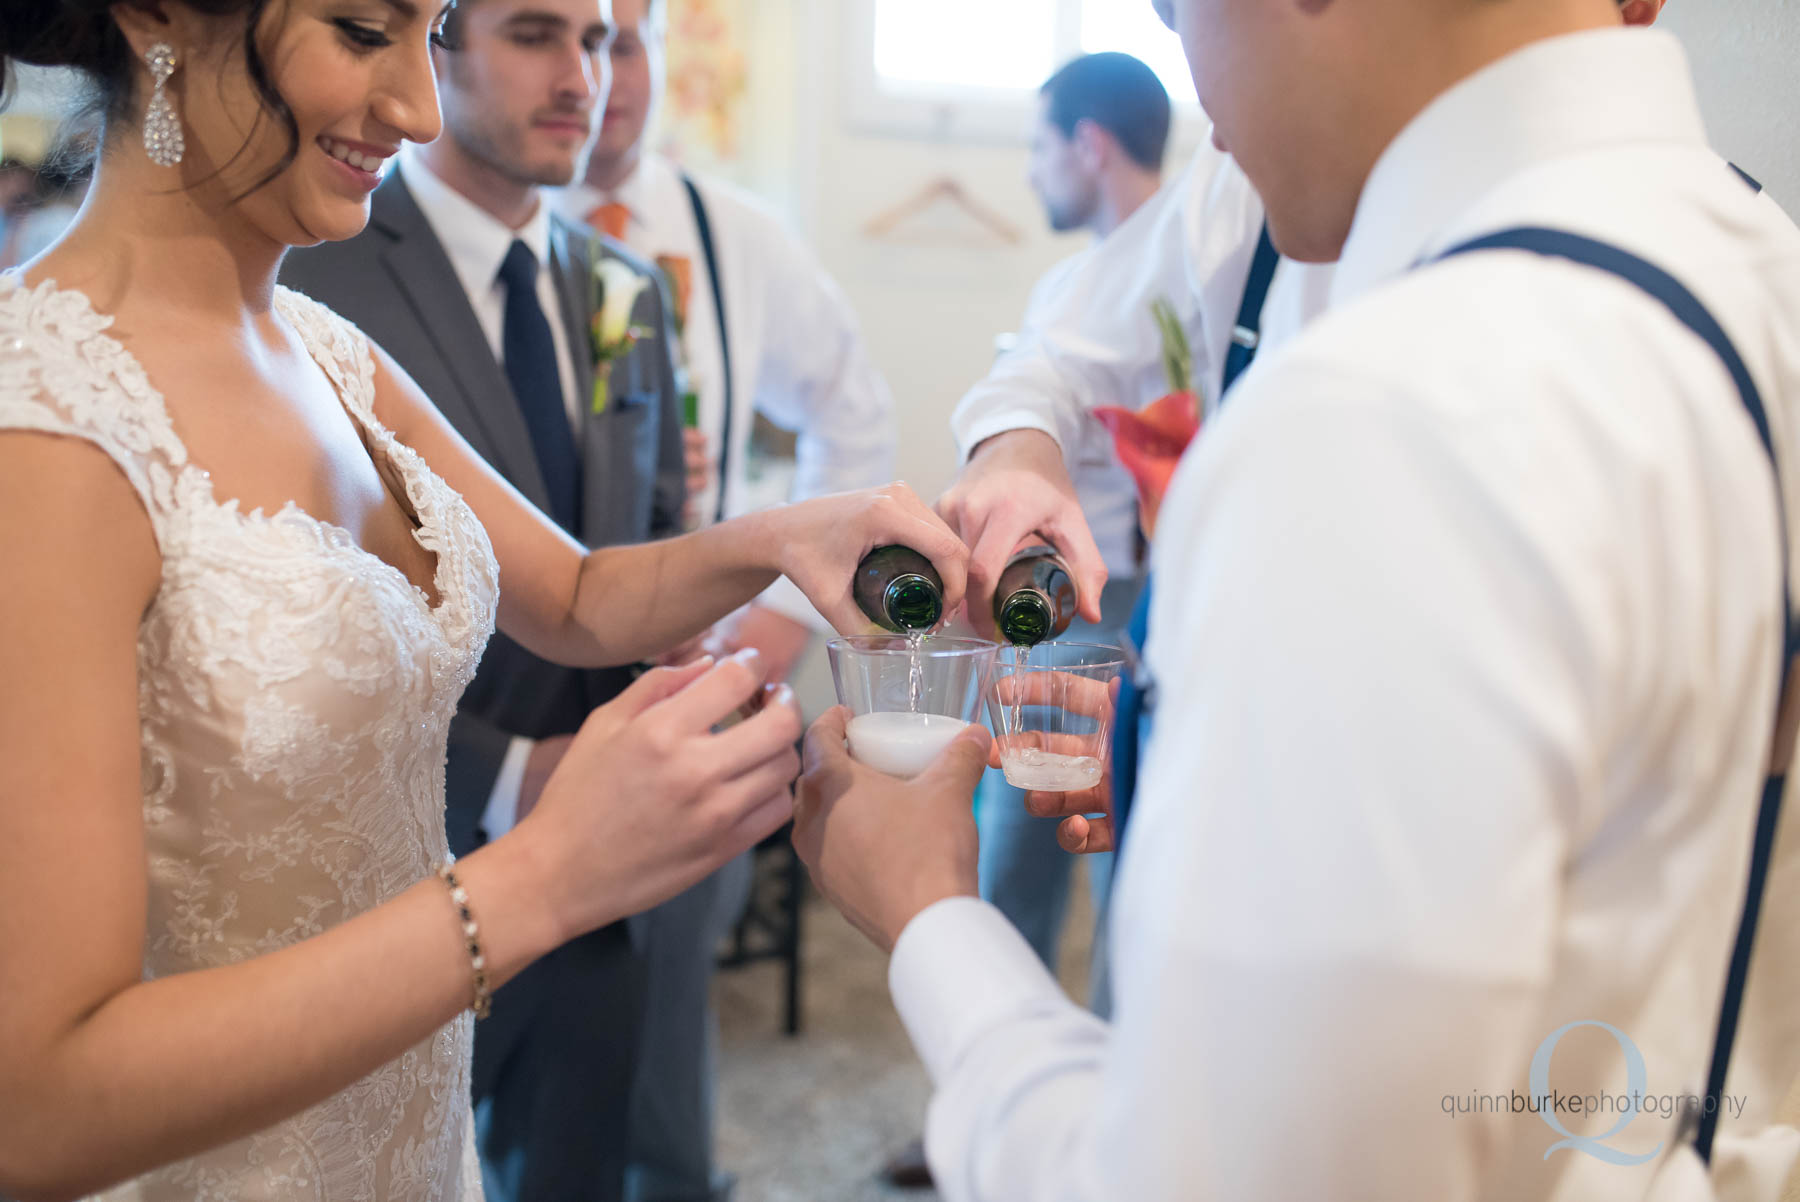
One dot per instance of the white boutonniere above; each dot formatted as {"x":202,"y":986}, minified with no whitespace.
{"x":611,"y":334}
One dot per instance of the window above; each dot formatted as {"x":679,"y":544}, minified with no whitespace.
{"x":971,"y":69}
{"x":1133,"y":27}
{"x":932,"y":45}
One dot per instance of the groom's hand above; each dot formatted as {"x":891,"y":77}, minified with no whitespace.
{"x":880,"y":848}
{"x":1016,"y":490}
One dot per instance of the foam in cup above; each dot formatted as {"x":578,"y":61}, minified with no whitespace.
{"x":899,"y":743}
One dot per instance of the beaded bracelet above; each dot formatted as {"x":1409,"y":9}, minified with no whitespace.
{"x":484,"y":1000}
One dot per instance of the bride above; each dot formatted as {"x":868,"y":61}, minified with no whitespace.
{"x":249,"y":569}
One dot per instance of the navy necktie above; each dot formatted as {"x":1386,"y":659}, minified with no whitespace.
{"x":1131,"y":718}
{"x":529,"y":355}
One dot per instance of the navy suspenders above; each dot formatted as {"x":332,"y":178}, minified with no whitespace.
{"x":707,"y":247}
{"x":1691,"y":313}
{"x":1246,"y":335}
{"x":1131,"y":715}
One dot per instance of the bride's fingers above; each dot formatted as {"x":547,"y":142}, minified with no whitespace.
{"x":746,"y":801}
{"x":764,"y":820}
{"x":753,"y":741}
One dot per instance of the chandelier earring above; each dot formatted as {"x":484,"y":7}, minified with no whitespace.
{"x":162,"y":128}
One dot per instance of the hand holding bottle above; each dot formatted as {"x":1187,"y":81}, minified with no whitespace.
{"x":824,"y":540}
{"x":1015,"y":491}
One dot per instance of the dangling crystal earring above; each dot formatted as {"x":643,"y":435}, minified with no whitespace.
{"x":162,"y":128}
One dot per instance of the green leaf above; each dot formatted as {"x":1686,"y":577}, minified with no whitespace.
{"x":1177,"y":355}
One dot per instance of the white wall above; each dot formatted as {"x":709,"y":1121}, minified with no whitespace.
{"x":930,"y":306}
{"x":1744,"y":54}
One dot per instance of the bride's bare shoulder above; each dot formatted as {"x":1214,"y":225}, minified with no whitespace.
{"x":69,"y":502}
{"x":68,"y":514}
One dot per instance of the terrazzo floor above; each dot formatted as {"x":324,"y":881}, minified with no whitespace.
{"x":813,"y":1118}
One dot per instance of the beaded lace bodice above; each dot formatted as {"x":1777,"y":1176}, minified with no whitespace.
{"x":294,"y":698}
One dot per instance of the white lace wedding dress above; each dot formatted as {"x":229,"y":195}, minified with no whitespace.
{"x":294,"y":699}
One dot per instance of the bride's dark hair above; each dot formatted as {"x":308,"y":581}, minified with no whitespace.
{"x":82,"y":34}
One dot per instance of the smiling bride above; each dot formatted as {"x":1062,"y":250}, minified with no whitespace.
{"x":249,"y":570}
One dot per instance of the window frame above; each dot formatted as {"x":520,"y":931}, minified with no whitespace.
{"x":959,"y":113}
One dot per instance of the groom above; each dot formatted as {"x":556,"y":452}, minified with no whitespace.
{"x":486,"y":298}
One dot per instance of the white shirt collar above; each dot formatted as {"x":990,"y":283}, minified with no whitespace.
{"x":474,"y":239}
{"x":1552,"y":99}
{"x":636,"y":192}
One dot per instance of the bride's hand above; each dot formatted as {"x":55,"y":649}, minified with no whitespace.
{"x":649,"y":800}
{"x":822,"y":541}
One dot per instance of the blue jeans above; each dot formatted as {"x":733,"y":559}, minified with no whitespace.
{"x":670,"y":1146}
{"x":1024,"y":873}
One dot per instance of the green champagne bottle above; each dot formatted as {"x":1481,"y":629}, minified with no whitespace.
{"x":1035,"y":598}
{"x":899,"y":589}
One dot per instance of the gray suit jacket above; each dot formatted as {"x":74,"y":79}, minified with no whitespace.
{"x":396,"y":283}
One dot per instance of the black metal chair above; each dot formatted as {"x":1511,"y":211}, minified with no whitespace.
{"x":770,"y":926}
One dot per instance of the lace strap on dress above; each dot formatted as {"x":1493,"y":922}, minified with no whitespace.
{"x":62,"y":373}
{"x":341,"y":351}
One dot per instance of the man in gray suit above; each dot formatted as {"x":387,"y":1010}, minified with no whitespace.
{"x":488,"y":301}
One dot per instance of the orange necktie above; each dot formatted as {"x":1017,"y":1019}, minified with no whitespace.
{"x":611,"y":219}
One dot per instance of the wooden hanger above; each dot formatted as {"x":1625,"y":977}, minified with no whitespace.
{"x":943,"y":187}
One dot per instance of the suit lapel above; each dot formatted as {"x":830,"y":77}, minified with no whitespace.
{"x":568,"y":259}
{"x":619,"y":473}
{"x":483,"y":408}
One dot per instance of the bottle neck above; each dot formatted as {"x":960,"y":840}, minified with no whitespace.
{"x":912,"y":602}
{"x":1025,"y":617}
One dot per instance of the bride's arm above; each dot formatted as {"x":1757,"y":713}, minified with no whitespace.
{"x":615,"y":605}
{"x":103,"y":1075}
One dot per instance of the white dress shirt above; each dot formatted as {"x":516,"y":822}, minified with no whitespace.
{"x":1105,"y":489}
{"x":1093,"y":342}
{"x":797,"y":355}
{"x":477,"y":243}
{"x":1466,"y":642}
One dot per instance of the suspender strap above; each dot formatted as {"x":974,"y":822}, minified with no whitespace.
{"x":704,"y":224}
{"x":1746,"y":177}
{"x":1246,"y":335}
{"x":1688,"y":310}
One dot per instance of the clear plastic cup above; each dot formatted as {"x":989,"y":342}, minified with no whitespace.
{"x":1051,"y":709}
{"x":908,"y":698}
